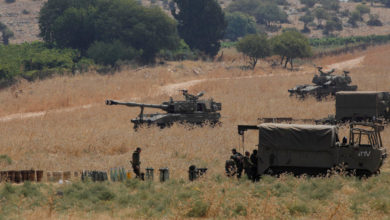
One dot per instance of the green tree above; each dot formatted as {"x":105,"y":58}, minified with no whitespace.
{"x":333,"y":24}
{"x":363,"y":9}
{"x":374,"y":20}
{"x":306,"y":19}
{"x":201,"y":24}
{"x":320,"y":14}
{"x":239,"y":24}
{"x":110,"y":53}
{"x":290,"y":45}
{"x":255,"y":47}
{"x":386,"y":3}
{"x":309,"y":3}
{"x":6,"y":33}
{"x":79,"y":23}
{"x":354,"y":18}
{"x":269,"y":13}
{"x":330,"y":5}
{"x":245,"y":6}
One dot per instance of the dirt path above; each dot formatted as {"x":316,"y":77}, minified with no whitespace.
{"x":348,"y":64}
{"x":170,"y":89}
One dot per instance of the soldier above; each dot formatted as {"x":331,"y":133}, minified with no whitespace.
{"x":237,"y":158}
{"x":136,"y":162}
{"x":254,"y":159}
{"x":248,"y":165}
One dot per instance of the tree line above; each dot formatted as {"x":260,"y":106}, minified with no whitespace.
{"x":289,"y":45}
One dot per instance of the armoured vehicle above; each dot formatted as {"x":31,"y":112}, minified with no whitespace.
{"x":365,"y":105}
{"x":314,"y":149}
{"x":324,"y":84}
{"x":192,"y":110}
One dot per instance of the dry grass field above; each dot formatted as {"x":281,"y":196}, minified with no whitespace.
{"x":76,"y":131}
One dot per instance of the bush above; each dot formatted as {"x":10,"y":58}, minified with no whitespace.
{"x":374,"y":20}
{"x":78,"y":24}
{"x":362,"y":9}
{"x":254,"y":46}
{"x":35,"y":61}
{"x":4,"y":158}
{"x":198,"y":209}
{"x":239,"y":25}
{"x":109,"y":53}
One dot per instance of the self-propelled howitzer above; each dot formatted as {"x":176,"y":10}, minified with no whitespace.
{"x":192,"y":110}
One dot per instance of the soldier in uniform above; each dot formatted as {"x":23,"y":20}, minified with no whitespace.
{"x":237,"y":158}
{"x":248,"y":165}
{"x":136,"y":162}
{"x":254,"y":159}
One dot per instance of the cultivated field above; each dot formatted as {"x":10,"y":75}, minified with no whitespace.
{"x":66,"y":126}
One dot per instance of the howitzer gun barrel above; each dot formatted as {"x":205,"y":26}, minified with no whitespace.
{"x":134,"y":104}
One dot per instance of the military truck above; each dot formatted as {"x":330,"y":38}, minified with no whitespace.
{"x":324,"y":84}
{"x":192,"y":110}
{"x":314,"y":149}
{"x":358,"y":106}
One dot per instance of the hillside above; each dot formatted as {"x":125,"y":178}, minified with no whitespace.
{"x":67,"y":127}
{"x":22,"y":18}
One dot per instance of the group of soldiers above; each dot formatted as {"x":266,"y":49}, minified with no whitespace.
{"x":239,"y":163}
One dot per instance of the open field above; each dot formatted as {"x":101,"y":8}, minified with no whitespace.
{"x":100,"y":137}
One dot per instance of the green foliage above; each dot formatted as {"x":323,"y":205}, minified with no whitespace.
{"x":110,"y":53}
{"x":199,"y":209}
{"x":290,"y":45}
{"x":78,"y":24}
{"x":201,"y":24}
{"x":321,"y":14}
{"x":254,"y":46}
{"x":183,"y":52}
{"x":34,"y":60}
{"x":386,"y":3}
{"x":306,"y":19}
{"x":333,"y":24}
{"x":4,"y":158}
{"x":330,"y":5}
{"x":363,"y":9}
{"x":341,"y":41}
{"x":309,"y":3}
{"x":265,"y":11}
{"x":374,"y":20}
{"x":239,"y":25}
{"x":6,"y":33}
{"x":354,"y":18}
{"x":269,"y":13}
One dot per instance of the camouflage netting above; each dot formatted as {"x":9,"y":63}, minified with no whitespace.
{"x":297,"y":137}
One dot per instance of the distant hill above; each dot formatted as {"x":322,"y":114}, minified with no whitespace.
{"x":22,"y":18}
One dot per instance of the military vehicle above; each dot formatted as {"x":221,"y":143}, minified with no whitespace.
{"x":324,"y":84}
{"x":313,"y":149}
{"x":192,"y":110}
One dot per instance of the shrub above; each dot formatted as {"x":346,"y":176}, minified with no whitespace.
{"x":239,"y":25}
{"x":4,"y":158}
{"x":254,"y":46}
{"x":374,"y":20}
{"x":110,"y":53}
{"x":198,"y":209}
{"x":362,"y":9}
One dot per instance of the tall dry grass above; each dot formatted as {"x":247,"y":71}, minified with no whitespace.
{"x":101,"y":137}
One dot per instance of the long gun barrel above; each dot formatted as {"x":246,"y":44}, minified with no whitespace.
{"x":134,"y":104}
